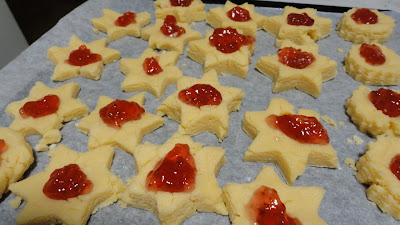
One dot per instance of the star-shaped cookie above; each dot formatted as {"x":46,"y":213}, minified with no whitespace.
{"x":194,"y":120}
{"x":279,"y":27}
{"x":41,"y":209}
{"x":238,"y":196}
{"x":218,"y":18}
{"x":59,"y":56}
{"x":48,"y":126}
{"x":107,"y":25}
{"x":127,"y":136}
{"x":308,"y":79}
{"x":173,"y":208}
{"x":137,"y":78}
{"x":272,"y":145}
{"x":184,"y":14}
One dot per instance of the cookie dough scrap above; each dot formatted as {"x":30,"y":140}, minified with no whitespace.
{"x":359,"y":33}
{"x":106,"y":24}
{"x":15,"y":157}
{"x":48,"y":126}
{"x":64,"y":70}
{"x":194,"y":120}
{"x":218,"y":17}
{"x":174,"y":207}
{"x":272,"y":145}
{"x":128,"y":136}
{"x":41,"y":209}
{"x":194,"y":12}
{"x":374,"y":169}
{"x":387,"y":73}
{"x":300,"y":34}
{"x":138,"y":77}
{"x":238,"y":196}
{"x":308,"y":79}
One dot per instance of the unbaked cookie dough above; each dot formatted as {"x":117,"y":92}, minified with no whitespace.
{"x":184,"y":14}
{"x":64,"y":71}
{"x":48,"y":126}
{"x":173,"y":208}
{"x":272,"y":145}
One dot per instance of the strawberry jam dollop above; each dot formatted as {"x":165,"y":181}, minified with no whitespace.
{"x":364,"y":16}
{"x":126,"y":19}
{"x":170,"y":27}
{"x":239,"y":14}
{"x":200,"y":94}
{"x":228,"y":40}
{"x":395,"y":166}
{"x":45,"y":106}
{"x":119,"y":112}
{"x":151,"y":66}
{"x":3,"y":147}
{"x":297,"y":19}
{"x":175,"y":173}
{"x":266,"y":208}
{"x":295,"y":58}
{"x":386,"y":101}
{"x":83,"y":56}
{"x":304,"y":129}
{"x":67,"y":182}
{"x":372,"y":54}
{"x":184,"y":3}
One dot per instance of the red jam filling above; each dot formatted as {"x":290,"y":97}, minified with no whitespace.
{"x":151,"y":66}
{"x":45,"y":106}
{"x":228,"y":40}
{"x":372,"y":54}
{"x":266,"y":208}
{"x":297,"y":19}
{"x":387,"y":101}
{"x":119,"y":112}
{"x":295,"y":58}
{"x":184,"y":3}
{"x":395,"y":166}
{"x":67,"y":182}
{"x":200,"y":94}
{"x":3,"y":146}
{"x":175,"y":173}
{"x":170,"y":27}
{"x":303,"y":129}
{"x":239,"y":14}
{"x":82,"y":56}
{"x":364,"y":16}
{"x":126,"y":19}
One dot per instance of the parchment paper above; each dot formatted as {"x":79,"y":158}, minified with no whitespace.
{"x":344,"y":202}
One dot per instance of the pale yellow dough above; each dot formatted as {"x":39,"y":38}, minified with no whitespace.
{"x":367,"y":118}
{"x":278,"y":26}
{"x":272,"y":145}
{"x":48,"y":126}
{"x":380,"y":32}
{"x":386,"y":74}
{"x":15,"y":160}
{"x":138,"y":80}
{"x":40,"y":209}
{"x":114,"y":32}
{"x":374,"y":170}
{"x":174,"y":208}
{"x":128,"y":136}
{"x":212,"y":118}
{"x":308,"y":79}
{"x":218,"y":18}
{"x":237,"y":196}
{"x":65,"y":71}
{"x":193,"y":13}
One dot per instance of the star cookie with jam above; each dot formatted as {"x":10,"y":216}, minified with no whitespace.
{"x":290,"y":140}
{"x":185,"y":11}
{"x":86,"y":59}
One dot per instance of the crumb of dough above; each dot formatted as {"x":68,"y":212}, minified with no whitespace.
{"x":341,"y":50}
{"x":95,"y":30}
{"x":16,"y":202}
{"x":341,"y":123}
{"x":329,"y":121}
{"x":350,"y":162}
{"x":41,"y":147}
{"x":184,"y":65}
{"x":349,"y":141}
{"x":89,"y":100}
{"x":357,"y":140}
{"x":344,"y":68}
{"x":52,"y":146}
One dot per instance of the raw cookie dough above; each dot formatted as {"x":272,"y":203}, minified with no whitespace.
{"x":237,"y":196}
{"x":212,"y":118}
{"x":174,"y":208}
{"x":48,"y":126}
{"x":138,"y":80}
{"x":189,"y":14}
{"x":40,"y":209}
{"x":308,"y":79}
{"x":106,"y":24}
{"x":272,"y":145}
